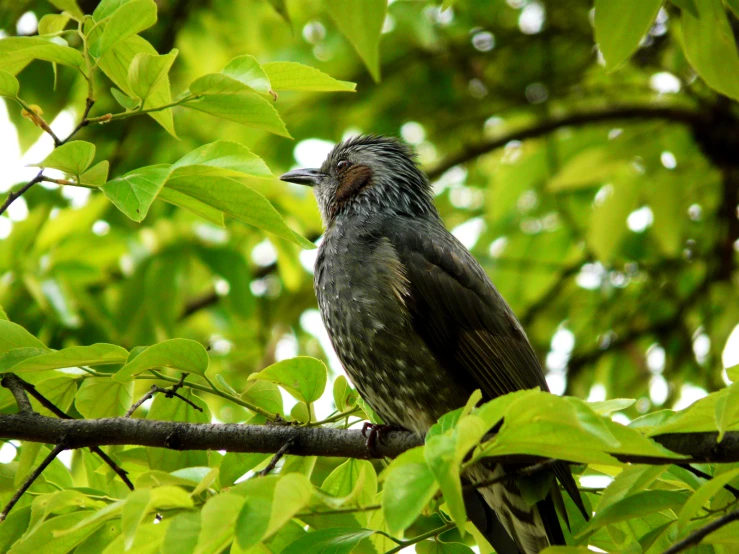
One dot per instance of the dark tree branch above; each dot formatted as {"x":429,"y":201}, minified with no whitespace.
{"x":46,"y":403}
{"x":703,"y":475}
{"x":30,"y":479}
{"x":15,"y":385}
{"x":276,"y":458}
{"x":13,"y":196}
{"x":674,"y":114}
{"x":306,"y":441}
{"x":168,"y":392}
{"x":696,"y":537}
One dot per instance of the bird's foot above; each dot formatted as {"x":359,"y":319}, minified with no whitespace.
{"x":375,"y":432}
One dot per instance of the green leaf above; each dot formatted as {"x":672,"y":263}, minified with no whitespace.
{"x":73,"y":157}
{"x":727,"y":410}
{"x":141,"y":503}
{"x":236,"y":464}
{"x":702,"y":495}
{"x":344,"y":395}
{"x":733,"y":5}
{"x":353,"y":481}
{"x":293,"y":492}
{"x":253,"y":518}
{"x":237,"y":200}
{"x":44,"y":537}
{"x":123,"y":99}
{"x":707,"y":39}
{"x":438,"y":547}
{"x":227,"y":98}
{"x":733,"y":373}
{"x":224,"y":158}
{"x":16,"y":355}
{"x":280,"y":6}
{"x":247,"y":70}
{"x":183,"y":354}
{"x":440,"y":454}
{"x":97,"y":175}
{"x":69,"y":6}
{"x":115,"y":64}
{"x":202,"y":209}
{"x":337,"y":540}
{"x":164,"y":409}
{"x":14,"y":526}
{"x":608,"y":219}
{"x":620,"y":26}
{"x":182,"y":535}
{"x":17,"y":52}
{"x":639,"y":504}
{"x":14,"y":336}
{"x":360,"y":21}
{"x":52,"y":23}
{"x":74,"y":356}
{"x":607,"y":407}
{"x":264,"y":394}
{"x":129,"y":19}
{"x":296,"y":76}
{"x":303,"y":377}
{"x":134,"y":192}
{"x":9,"y":85}
{"x":147,"y":71}
{"x":409,"y":487}
{"x":589,"y":168}
{"x":3,"y":315}
{"x":218,"y":521}
{"x":103,"y":397}
{"x":690,"y":6}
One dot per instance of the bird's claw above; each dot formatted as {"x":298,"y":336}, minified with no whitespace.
{"x":375,"y":432}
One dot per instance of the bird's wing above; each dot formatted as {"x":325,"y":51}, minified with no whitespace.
{"x":464,"y":321}
{"x":461,"y":316}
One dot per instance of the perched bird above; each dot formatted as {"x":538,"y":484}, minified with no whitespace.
{"x":416,"y":321}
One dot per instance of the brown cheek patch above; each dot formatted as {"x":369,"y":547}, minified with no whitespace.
{"x":354,"y":179}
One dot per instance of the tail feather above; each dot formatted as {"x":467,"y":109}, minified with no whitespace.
{"x":500,"y":507}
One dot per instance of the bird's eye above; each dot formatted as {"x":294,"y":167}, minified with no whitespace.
{"x":342,"y":165}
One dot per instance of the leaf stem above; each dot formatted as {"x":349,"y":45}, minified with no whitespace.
{"x":235,"y":399}
{"x":433,"y":533}
{"x":124,"y":115}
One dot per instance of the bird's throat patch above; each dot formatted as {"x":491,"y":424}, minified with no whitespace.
{"x":353,"y":180}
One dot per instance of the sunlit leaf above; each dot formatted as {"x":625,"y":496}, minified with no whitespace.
{"x":103,"y":397}
{"x":360,"y":21}
{"x":95,"y":354}
{"x":129,"y":19}
{"x":183,"y":354}
{"x":8,"y":85}
{"x":302,"y":377}
{"x":334,"y":541}
{"x":296,"y":76}
{"x":13,"y":336}
{"x":69,"y":6}
{"x":247,"y":70}
{"x":73,"y":157}
{"x":52,"y":24}
{"x":147,"y":71}
{"x":134,"y":192}
{"x":223,"y":157}
{"x":621,"y":25}
{"x":409,"y":487}
{"x":17,"y":52}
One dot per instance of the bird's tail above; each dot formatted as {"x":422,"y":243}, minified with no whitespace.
{"x":507,"y":522}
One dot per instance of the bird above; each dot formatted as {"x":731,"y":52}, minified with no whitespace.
{"x":417,"y":323}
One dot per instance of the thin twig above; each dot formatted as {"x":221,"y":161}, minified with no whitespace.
{"x":15,"y":385}
{"x":433,"y":533}
{"x":30,"y":479}
{"x":700,"y":534}
{"x":49,"y":405}
{"x":703,"y":475}
{"x":169,"y":393}
{"x":13,"y":196}
{"x":84,"y":122}
{"x":276,"y":458}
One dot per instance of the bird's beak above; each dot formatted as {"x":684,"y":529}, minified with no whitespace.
{"x":309,"y":177}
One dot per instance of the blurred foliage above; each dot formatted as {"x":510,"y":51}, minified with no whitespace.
{"x":598,"y":187}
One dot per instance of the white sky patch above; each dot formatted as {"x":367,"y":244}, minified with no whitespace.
{"x":730,"y":355}
{"x":27,"y":24}
{"x":563,"y":341}
{"x":286,"y":347}
{"x":595,"y":481}
{"x":658,"y":390}
{"x":701,"y":347}
{"x":557,"y":383}
{"x":497,"y":247}
{"x":688,"y":395}
{"x":312,"y":152}
{"x":413,"y":132}
{"x":65,"y":457}
{"x":18,"y":210}
{"x":532,"y":17}
{"x":664,"y":83}
{"x":656,"y":358}
{"x":597,"y":393}
{"x":264,"y":253}
{"x":469,"y":231}
{"x":668,"y":159}
{"x":591,"y":276}
{"x":7,"y":453}
{"x":639,"y":220}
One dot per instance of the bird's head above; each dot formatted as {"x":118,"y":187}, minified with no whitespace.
{"x":368,"y":174}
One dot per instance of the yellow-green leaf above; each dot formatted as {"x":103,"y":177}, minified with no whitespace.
{"x":303,"y":377}
{"x":360,"y":21}
{"x":296,"y":76}
{"x":620,"y":26}
{"x":183,"y":354}
{"x":73,"y":157}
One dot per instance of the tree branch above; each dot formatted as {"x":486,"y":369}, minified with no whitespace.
{"x":700,"y":534}
{"x":12,"y":196}
{"x":30,"y":479}
{"x":674,"y":114}
{"x":306,"y":441}
{"x":15,"y":385}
